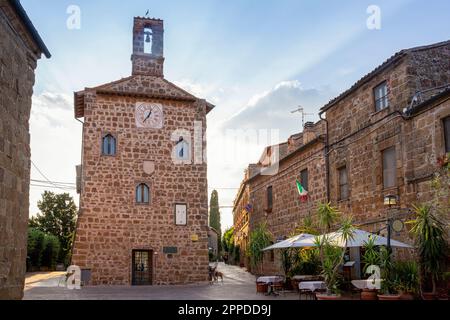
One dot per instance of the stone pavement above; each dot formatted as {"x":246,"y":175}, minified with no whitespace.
{"x":237,"y":285}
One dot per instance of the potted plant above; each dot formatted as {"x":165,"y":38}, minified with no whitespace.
{"x":429,"y":232}
{"x":407,"y":279}
{"x":331,"y":256}
{"x":332,"y":259}
{"x":287,"y":259}
{"x":370,"y":257}
{"x":260,"y":238}
{"x":389,"y":286}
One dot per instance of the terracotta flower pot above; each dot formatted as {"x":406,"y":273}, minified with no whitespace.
{"x":368,"y":294}
{"x":261,"y":287}
{"x":428,"y":296}
{"x":328,"y":297}
{"x":388,"y":297}
{"x":406,"y":296}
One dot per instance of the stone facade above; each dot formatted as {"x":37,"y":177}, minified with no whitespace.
{"x":20,"y":48}
{"x":412,"y":122}
{"x":304,"y":151}
{"x":358,"y":134}
{"x":213,"y":238}
{"x":111,"y":224}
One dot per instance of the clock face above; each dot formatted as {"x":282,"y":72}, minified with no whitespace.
{"x":149,"y":115}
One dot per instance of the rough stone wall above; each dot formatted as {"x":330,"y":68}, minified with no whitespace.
{"x":110,"y":224}
{"x":358,"y":135}
{"x":288,"y":210}
{"x":17,"y":65}
{"x":241,"y":219}
{"x":143,"y":63}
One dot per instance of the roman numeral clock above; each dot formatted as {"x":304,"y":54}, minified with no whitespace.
{"x":149,"y":115}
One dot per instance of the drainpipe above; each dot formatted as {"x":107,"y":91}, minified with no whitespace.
{"x":327,"y":158}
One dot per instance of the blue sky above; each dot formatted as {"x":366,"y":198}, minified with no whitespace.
{"x":256,"y":60}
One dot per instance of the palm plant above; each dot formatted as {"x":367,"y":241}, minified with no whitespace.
{"x":388,"y":285}
{"x":370,"y":256}
{"x":328,"y":215}
{"x":407,"y":276}
{"x":431,"y":245}
{"x":331,"y":256}
{"x":308,"y":226}
{"x":260,"y":238}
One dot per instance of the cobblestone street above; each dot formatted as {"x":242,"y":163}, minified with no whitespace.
{"x":237,"y":285}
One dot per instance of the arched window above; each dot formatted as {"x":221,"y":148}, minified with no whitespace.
{"x":148,"y":40}
{"x":182,"y":149}
{"x":109,"y":145}
{"x":142,"y":193}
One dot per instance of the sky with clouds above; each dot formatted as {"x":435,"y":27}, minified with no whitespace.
{"x":255,"y":60}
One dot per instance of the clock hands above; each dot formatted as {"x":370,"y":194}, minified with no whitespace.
{"x":148,"y":116}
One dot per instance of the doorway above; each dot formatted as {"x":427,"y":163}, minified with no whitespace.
{"x":142,"y":263}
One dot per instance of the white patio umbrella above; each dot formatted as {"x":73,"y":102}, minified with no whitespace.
{"x":360,"y":237}
{"x":290,"y":243}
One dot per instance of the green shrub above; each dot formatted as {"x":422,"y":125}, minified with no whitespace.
{"x":35,"y":248}
{"x":51,"y":251}
{"x":407,"y":276}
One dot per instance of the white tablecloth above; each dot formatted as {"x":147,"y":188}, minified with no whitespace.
{"x":305,"y":278}
{"x":270,"y":279}
{"x":312,"y":285}
{"x":367,"y":284}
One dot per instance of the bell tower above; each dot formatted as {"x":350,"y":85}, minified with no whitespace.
{"x":148,"y":47}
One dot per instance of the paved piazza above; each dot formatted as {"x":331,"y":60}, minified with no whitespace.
{"x":237,"y":285}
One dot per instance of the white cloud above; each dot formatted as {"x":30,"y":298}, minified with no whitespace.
{"x":228,"y":156}
{"x":55,"y":142}
{"x":272,"y":109}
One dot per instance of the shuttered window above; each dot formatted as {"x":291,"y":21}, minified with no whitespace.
{"x":447,"y":134}
{"x":389,"y":168}
{"x":343,"y":183}
{"x":381,"y":96}
{"x":269,"y":197}
{"x":304,"y":179}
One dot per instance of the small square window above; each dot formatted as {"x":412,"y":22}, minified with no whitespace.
{"x":381,"y":96}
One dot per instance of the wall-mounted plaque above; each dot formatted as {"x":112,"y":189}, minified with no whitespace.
{"x":181,"y":214}
{"x":170,"y":250}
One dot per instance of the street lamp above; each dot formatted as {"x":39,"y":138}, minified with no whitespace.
{"x":389,"y":200}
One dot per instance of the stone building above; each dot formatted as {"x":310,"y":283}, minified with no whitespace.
{"x":274,"y":198}
{"x":213,"y":238}
{"x":143,"y":206}
{"x":379,"y":143}
{"x":382,"y":137}
{"x":20,"y":49}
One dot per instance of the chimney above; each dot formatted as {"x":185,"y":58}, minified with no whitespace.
{"x":309,"y":132}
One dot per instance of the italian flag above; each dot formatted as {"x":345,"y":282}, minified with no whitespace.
{"x":302,"y":192}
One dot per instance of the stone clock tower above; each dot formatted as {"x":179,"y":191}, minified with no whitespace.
{"x":143,"y":180}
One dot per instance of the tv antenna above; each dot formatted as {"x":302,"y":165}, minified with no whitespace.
{"x":301,"y":110}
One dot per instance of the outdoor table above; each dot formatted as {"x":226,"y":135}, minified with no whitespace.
{"x":367,"y":284}
{"x":308,"y":288}
{"x":312,"y":285}
{"x":305,"y":278}
{"x":270,"y":279}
